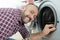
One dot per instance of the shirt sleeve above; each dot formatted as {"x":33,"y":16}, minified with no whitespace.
{"x":23,"y":31}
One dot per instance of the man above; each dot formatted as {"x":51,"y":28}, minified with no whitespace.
{"x":12,"y":20}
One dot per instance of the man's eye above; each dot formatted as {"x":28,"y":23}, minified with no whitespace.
{"x":32,"y":12}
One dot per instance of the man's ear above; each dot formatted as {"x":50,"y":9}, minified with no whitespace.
{"x":23,"y":8}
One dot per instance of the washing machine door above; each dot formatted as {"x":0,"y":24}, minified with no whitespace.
{"x":47,"y":15}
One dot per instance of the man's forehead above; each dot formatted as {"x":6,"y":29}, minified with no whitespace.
{"x":32,"y":7}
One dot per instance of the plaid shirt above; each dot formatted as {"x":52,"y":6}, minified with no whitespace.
{"x":10,"y":23}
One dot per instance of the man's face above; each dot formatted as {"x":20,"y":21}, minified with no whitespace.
{"x":30,"y":13}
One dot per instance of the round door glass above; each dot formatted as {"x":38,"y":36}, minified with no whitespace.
{"x":45,"y":16}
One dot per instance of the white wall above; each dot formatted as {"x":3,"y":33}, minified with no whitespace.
{"x":11,"y":3}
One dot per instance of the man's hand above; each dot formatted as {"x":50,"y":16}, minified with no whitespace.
{"x":48,"y":29}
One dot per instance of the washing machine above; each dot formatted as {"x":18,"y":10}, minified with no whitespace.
{"x":49,"y":13}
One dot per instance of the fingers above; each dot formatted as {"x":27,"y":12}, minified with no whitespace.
{"x":51,"y":27}
{"x":48,"y":28}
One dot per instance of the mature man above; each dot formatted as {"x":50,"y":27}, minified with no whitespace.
{"x":12,"y":20}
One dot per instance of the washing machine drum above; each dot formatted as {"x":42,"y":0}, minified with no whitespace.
{"x":45,"y":16}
